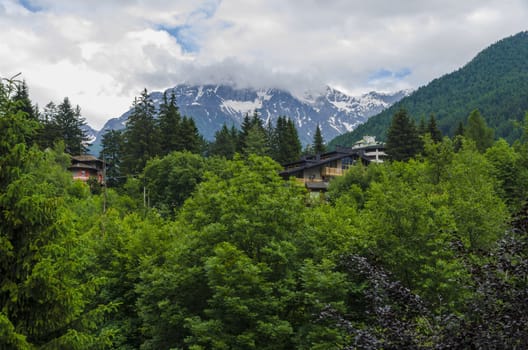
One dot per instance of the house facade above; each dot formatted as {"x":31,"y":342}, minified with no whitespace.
{"x":84,"y":167}
{"x":315,"y":172}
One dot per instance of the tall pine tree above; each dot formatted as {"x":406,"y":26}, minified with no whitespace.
{"x":256,"y":141}
{"x":318,"y":142}
{"x":403,"y":141}
{"x":242,"y":134}
{"x":111,"y":153}
{"x":141,"y":136}
{"x":64,"y":123}
{"x":22,"y":103}
{"x":170,"y":125}
{"x":225,"y":143}
{"x":288,"y":144}
{"x":432,"y":129}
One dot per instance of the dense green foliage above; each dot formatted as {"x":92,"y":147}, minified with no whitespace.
{"x":45,"y":293}
{"x":427,"y":251}
{"x":495,"y":82}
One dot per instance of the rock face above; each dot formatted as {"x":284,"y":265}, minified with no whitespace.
{"x":213,"y":105}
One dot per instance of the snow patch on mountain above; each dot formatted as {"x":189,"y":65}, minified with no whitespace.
{"x":243,"y":107}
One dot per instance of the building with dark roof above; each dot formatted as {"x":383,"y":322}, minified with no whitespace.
{"x":84,"y":167}
{"x":316,"y":171}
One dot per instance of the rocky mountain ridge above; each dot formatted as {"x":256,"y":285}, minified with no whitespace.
{"x":213,"y":105}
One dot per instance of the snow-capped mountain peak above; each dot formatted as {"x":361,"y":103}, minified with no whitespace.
{"x":213,"y":105}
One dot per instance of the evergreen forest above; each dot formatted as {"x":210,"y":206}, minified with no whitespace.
{"x":495,"y":82}
{"x":190,"y":245}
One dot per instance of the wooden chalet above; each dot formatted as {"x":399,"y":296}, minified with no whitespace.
{"x":84,"y":167}
{"x":316,"y":171}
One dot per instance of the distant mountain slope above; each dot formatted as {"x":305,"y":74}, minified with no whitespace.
{"x":495,"y":82}
{"x":213,"y":105}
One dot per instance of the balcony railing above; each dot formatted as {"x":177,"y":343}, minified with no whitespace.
{"x":327,"y":171}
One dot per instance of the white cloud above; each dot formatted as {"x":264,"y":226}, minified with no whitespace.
{"x":101,"y":53}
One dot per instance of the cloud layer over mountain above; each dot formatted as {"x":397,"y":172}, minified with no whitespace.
{"x":101,"y":53}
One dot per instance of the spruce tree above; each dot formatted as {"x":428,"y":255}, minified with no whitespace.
{"x":460,"y":131}
{"x":242,"y":134}
{"x":21,"y":102}
{"x":432,"y":129}
{"x":247,"y":124}
{"x":190,"y":138}
{"x":68,"y":125}
{"x":256,"y":141}
{"x":271,"y":140}
{"x":318,"y":142}
{"x":224,"y":144}
{"x":111,"y":153}
{"x":170,"y":125}
{"x":281,"y":140}
{"x":288,"y":144}
{"x":48,"y":132}
{"x":403,"y":141}
{"x":141,"y":136}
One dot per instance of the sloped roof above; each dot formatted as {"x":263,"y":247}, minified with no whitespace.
{"x":308,"y":164}
{"x":82,"y":166}
{"x":85,"y":158}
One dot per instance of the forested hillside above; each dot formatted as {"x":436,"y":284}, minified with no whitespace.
{"x":495,"y":82}
{"x":186,"y":251}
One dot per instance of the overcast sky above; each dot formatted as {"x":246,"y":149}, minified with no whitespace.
{"x":102,"y":53}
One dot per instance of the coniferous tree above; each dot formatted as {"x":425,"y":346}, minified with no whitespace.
{"x":68,"y":125}
{"x":170,"y":125}
{"x":256,"y":141}
{"x":190,"y":138}
{"x":255,"y":120}
{"x":281,"y":139}
{"x":318,"y":142}
{"x":49,"y":131}
{"x":21,"y":102}
{"x":478,"y":131}
{"x":141,"y":137}
{"x":460,"y":131}
{"x":63,"y":123}
{"x":244,"y":130}
{"x":458,"y":137}
{"x":234,"y":136}
{"x":224,"y":144}
{"x":271,"y":140}
{"x":432,"y":129}
{"x":288,"y":143}
{"x":247,"y":124}
{"x":111,"y":153}
{"x":422,"y":128}
{"x":403,"y":141}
